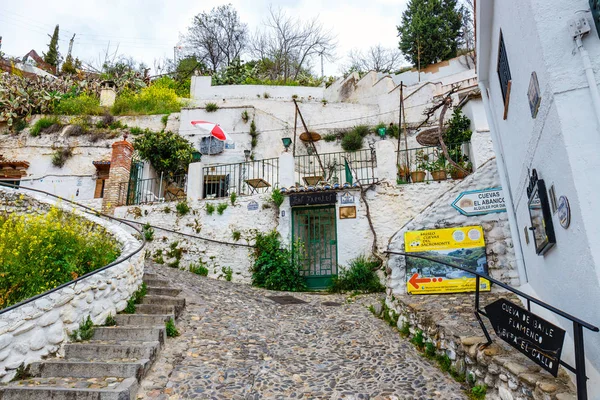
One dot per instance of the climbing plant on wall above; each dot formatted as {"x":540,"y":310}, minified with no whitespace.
{"x":167,"y":152}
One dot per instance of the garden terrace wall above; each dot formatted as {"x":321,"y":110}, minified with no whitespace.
{"x":36,"y":329}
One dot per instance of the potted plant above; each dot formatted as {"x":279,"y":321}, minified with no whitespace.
{"x":438,"y":168}
{"x":463,"y":161}
{"x":419,"y":174}
{"x":403,"y":173}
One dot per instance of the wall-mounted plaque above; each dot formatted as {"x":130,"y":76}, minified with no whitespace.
{"x":533,"y":94}
{"x":308,"y":199}
{"x":347,"y":198}
{"x":564,"y":212}
{"x":540,"y":215}
{"x":533,"y":336}
{"x":479,"y":202}
{"x":252,"y":206}
{"x":348,"y":212}
{"x":211,"y":145}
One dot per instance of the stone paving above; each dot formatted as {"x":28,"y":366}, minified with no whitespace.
{"x":237,"y":344}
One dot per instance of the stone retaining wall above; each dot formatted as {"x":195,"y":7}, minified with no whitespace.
{"x":39,"y":328}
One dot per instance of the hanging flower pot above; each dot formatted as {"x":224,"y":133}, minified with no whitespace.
{"x":417,"y":176}
{"x":439,"y":175}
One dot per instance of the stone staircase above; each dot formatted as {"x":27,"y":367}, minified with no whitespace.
{"x":111,"y":364}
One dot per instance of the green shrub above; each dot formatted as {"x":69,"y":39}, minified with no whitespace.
{"x":360,"y":276}
{"x":150,"y":100}
{"x":199,"y":269}
{"x":405,"y":329}
{"x":84,"y":332}
{"x":245,"y":116}
{"x":236,"y":235}
{"x":444,"y":362}
{"x":170,"y":328}
{"x":352,"y":141}
{"x":39,"y":252}
{"x":136,"y":298}
{"x":362,"y":130}
{"x":110,"y":321}
{"x":19,"y":125}
{"x":210,"y":208}
{"x":148,"y":232}
{"x":45,"y":125}
{"x":233,"y":198}
{"x":330,"y":137}
{"x":277,"y":197}
{"x":221,"y":207}
{"x":211,"y":107}
{"x":182,"y":208}
{"x":430,"y":350}
{"x":274,"y":267}
{"x":418,"y":340}
{"x":137,"y":131}
{"x":228,"y":273}
{"x":478,"y":392}
{"x":180,"y":86}
{"x":84,"y":104}
{"x":165,"y":119}
{"x":167,"y":152}
{"x":60,"y":156}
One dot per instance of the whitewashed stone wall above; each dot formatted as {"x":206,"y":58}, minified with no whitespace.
{"x":499,"y":247}
{"x":39,"y":328}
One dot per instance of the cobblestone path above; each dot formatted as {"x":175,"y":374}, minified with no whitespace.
{"x":237,"y":344}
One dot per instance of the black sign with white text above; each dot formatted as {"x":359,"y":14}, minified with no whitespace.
{"x":306,"y":199}
{"x":533,"y":336}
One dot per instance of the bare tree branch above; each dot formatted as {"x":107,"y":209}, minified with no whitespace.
{"x":376,"y":58}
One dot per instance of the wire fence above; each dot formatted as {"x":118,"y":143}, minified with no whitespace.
{"x":245,"y":178}
{"x":335,"y":168}
{"x":153,"y":190}
{"x":424,"y":164}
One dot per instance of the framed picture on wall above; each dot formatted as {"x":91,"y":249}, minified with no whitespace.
{"x":541,"y":218}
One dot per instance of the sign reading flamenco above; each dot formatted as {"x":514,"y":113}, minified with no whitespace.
{"x":479,"y":202}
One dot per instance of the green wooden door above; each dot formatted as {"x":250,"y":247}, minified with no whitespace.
{"x":315,"y":227}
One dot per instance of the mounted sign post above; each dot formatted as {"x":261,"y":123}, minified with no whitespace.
{"x":479,"y":202}
{"x":533,"y":336}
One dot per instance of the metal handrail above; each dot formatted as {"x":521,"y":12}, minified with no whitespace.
{"x":87,"y":210}
{"x":578,"y":324}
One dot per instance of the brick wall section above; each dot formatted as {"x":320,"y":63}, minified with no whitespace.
{"x":115,"y":189}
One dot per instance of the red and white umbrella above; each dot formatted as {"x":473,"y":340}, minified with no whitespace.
{"x":214,"y":129}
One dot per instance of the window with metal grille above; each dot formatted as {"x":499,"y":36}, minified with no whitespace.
{"x":504,"y":73}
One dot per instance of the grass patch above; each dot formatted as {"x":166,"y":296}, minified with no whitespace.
{"x":277,"y":197}
{"x":148,"y":232}
{"x":211,"y":107}
{"x":19,"y":125}
{"x":150,"y":100}
{"x":359,"y":276}
{"x":221,"y":207}
{"x":236,"y":235}
{"x":210,"y":209}
{"x":165,"y":119}
{"x":84,"y":104}
{"x":84,"y":332}
{"x":330,"y":137}
{"x":171,"y":329}
{"x":233,"y":198}
{"x":182,"y":208}
{"x":478,"y":392}
{"x":41,"y":252}
{"x":45,"y":125}
{"x":60,"y":156}
{"x":136,"y":298}
{"x":199,"y":269}
{"x":227,"y":273}
{"x":110,"y":321}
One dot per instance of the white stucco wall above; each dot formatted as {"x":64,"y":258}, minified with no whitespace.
{"x":39,"y":328}
{"x":562,"y":144}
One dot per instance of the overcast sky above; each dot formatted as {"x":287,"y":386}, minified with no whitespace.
{"x":149,"y":29}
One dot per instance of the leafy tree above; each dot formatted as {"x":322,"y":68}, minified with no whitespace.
{"x":459,"y":128}
{"x":71,"y":66}
{"x":167,"y":152}
{"x":52,"y":56}
{"x":431,"y":31}
{"x":217,"y":37}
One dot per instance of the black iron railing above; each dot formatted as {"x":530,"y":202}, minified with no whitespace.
{"x":152,"y":190}
{"x":334,"y":168}
{"x":424,"y":164}
{"x":578,"y":324}
{"x":87,"y":210}
{"x":245,"y":178}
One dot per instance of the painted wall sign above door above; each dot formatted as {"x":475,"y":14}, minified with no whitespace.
{"x":308,"y":199}
{"x":479,"y":202}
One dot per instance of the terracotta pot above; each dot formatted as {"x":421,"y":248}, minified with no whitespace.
{"x":417,"y":176}
{"x":438,"y":175}
{"x":457,"y":174}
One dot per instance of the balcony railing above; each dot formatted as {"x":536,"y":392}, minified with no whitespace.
{"x":424,"y":164}
{"x":153,"y":190}
{"x":336,"y":168}
{"x":243,"y":178}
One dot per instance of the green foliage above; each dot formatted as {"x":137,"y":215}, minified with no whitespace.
{"x":164,"y":119}
{"x":418,"y":340}
{"x":362,"y":130}
{"x":444,"y":362}
{"x":84,"y":104}
{"x":233,"y":198}
{"x":266,"y":95}
{"x":471,"y":379}
{"x":478,"y":392}
{"x":176,"y":253}
{"x":150,"y":100}
{"x":458,"y":130}
{"x":359,"y":276}
{"x":390,"y":316}
{"x":41,"y":252}
{"x":167,"y":152}
{"x":19,"y":125}
{"x":221,"y":207}
{"x":182,"y":208}
{"x":430,"y":350}
{"x":277,"y":197}
{"x":85,"y":331}
{"x":181,"y":87}
{"x":110,"y":321}
{"x":210,"y":208}
{"x":167,"y":210}
{"x":136,"y":298}
{"x":276,"y":268}
{"x":405,"y":329}
{"x":430,"y":31}
{"x":52,"y":57}
{"x":352,"y":141}
{"x":22,"y":373}
{"x":158,"y":257}
{"x":254,"y":134}
{"x":236,"y":235}
{"x":148,"y":232}
{"x":45,"y":125}
{"x":137,"y":131}
{"x":170,"y":328}
{"x":71,"y":66}
{"x":60,"y":156}
{"x":199,"y":269}
{"x":211,"y":107}
{"x":330,"y":137}
{"x":245,"y":116}
{"x":228,"y":273}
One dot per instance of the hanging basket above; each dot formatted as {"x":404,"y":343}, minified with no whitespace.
{"x":428,"y":137}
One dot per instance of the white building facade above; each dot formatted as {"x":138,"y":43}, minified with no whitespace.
{"x":544,"y":111}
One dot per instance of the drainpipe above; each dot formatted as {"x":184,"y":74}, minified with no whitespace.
{"x":508,"y":197}
{"x":579,"y":28}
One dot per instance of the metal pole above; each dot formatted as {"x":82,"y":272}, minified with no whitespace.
{"x":580,"y":361}
{"x":160,"y":187}
{"x":295,"y":126}
{"x":399,"y":127}
{"x":310,"y":138}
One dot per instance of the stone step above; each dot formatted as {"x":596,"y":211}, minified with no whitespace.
{"x":143,"y":319}
{"x":57,"y":388}
{"x":151,"y":275}
{"x":90,"y":369}
{"x":157,"y":309}
{"x":111,"y":349}
{"x":156,"y":282}
{"x":162,"y":291}
{"x":141,"y":333}
{"x":164,"y":300}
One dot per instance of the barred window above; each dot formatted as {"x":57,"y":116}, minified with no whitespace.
{"x":504,"y":73}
